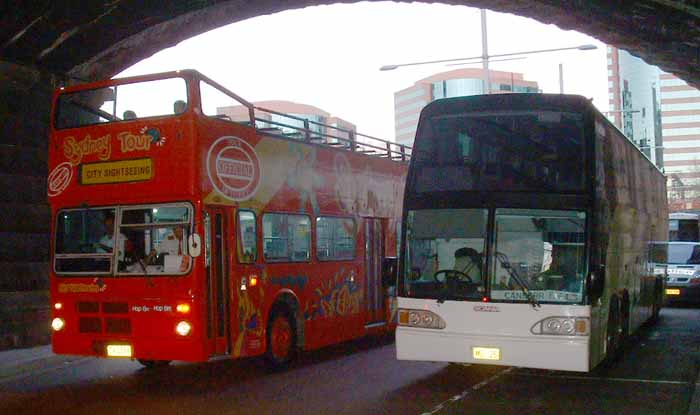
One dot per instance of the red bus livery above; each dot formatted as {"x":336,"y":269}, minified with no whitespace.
{"x":181,"y":231}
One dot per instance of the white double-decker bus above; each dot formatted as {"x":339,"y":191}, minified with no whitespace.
{"x":526,"y":228}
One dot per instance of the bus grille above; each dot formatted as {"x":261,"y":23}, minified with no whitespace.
{"x":88,"y":307}
{"x":90,"y":325}
{"x":118,"y":325}
{"x":94,"y":323}
{"x":115,"y":308}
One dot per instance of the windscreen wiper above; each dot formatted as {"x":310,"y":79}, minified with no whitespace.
{"x":514,"y":274}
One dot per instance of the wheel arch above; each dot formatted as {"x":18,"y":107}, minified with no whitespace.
{"x":287,"y":299}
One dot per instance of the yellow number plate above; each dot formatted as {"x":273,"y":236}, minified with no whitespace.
{"x":486,"y":353}
{"x":119,"y":350}
{"x":673,"y":291}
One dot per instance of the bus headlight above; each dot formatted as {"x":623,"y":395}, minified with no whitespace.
{"x":562,"y":326}
{"x":57,"y":324}
{"x":420,"y":318}
{"x":183,"y":328}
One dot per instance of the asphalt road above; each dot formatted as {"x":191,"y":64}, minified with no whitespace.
{"x":655,"y":375}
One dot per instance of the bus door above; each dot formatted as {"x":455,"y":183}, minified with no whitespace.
{"x":374,"y":252}
{"x":218,"y":287}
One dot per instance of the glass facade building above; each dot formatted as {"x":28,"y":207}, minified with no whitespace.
{"x":661,"y":114}
{"x":409,"y":102}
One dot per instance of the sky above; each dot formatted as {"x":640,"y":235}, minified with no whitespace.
{"x":329,"y":56}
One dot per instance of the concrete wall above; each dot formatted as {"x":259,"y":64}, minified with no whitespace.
{"x":25,"y":101}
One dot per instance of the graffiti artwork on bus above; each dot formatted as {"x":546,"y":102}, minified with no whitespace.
{"x":338,"y":296}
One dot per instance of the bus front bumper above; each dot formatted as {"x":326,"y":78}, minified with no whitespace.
{"x":540,"y":352}
{"x":148,"y":349}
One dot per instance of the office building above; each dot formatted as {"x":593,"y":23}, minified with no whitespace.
{"x":409,"y":102}
{"x":661,"y":114}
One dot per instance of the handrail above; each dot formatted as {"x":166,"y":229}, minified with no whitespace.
{"x":376,"y":147}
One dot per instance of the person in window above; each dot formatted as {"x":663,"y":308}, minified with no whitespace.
{"x":129,"y":115}
{"x":179,"y":106}
{"x":468,"y":261}
{"x":172,"y":244}
{"x":106,"y":242}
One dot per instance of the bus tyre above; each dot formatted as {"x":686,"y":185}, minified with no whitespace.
{"x":153,"y":364}
{"x":281,"y":339}
{"x":613,"y":335}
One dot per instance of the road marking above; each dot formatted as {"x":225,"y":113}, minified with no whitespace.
{"x":442,"y":405}
{"x":571,"y":377}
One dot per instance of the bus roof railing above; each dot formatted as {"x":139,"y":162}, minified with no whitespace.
{"x":326,"y":134}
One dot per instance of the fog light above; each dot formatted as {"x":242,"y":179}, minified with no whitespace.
{"x":57,"y":324}
{"x":183,"y":328}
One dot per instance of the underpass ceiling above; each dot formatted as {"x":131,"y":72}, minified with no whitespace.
{"x":93,"y":39}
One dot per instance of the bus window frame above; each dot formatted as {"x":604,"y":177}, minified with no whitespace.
{"x":57,"y":256}
{"x":354,"y":251}
{"x":118,"y":209}
{"x":239,"y":237}
{"x":289,"y":258}
{"x":116,"y":83}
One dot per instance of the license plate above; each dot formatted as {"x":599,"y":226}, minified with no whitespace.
{"x":486,"y":353}
{"x":673,"y":291}
{"x":119,"y":350}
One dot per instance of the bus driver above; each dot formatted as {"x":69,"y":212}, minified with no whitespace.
{"x":468,"y":261}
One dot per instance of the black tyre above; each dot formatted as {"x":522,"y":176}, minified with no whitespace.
{"x":614,"y":333}
{"x":281,"y":339}
{"x":152,"y":364}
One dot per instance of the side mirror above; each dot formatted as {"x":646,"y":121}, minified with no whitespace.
{"x":596,"y":283}
{"x":389,"y":271}
{"x":195,"y":245}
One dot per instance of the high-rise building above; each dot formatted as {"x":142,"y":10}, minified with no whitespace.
{"x":661,"y":114}
{"x":409,"y":102}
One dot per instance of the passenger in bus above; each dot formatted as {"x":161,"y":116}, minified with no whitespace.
{"x":106,"y":242}
{"x":179,"y":106}
{"x":173,"y":244}
{"x":129,"y":115}
{"x":468,"y":261}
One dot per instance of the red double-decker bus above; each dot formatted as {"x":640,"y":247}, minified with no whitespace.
{"x":189,"y":223}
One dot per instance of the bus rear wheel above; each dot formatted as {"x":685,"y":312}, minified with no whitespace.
{"x":614,"y":333}
{"x":281,"y":339}
{"x":152,"y":364}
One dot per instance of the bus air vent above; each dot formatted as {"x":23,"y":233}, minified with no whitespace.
{"x":118,"y":325}
{"x":90,"y":325}
{"x":88,"y":307}
{"x":115,"y":308}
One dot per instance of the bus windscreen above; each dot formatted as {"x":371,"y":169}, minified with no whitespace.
{"x":506,"y":151}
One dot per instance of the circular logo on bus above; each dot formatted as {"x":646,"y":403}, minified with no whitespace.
{"x":233,"y":168}
{"x":59,"y":179}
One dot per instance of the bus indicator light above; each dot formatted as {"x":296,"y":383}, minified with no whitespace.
{"x":58,"y":306}
{"x":183,"y":308}
{"x":253,"y":280}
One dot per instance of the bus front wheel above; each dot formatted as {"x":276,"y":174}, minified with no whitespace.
{"x":614,"y":333}
{"x":281,"y":339}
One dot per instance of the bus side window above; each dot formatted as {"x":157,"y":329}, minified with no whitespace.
{"x":247,"y":237}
